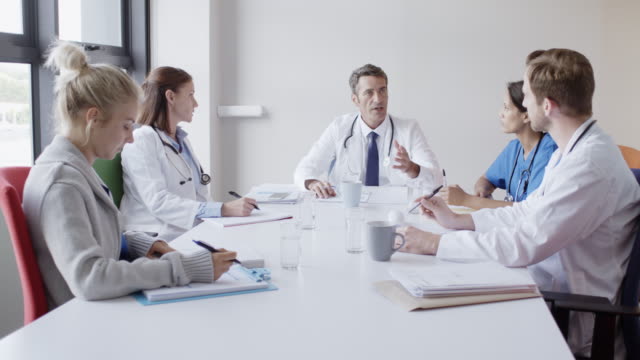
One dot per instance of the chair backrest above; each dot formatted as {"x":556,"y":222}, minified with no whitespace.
{"x":12,"y":181}
{"x":110,"y":171}
{"x":631,"y":156}
{"x":636,"y":172}
{"x":631,"y":294}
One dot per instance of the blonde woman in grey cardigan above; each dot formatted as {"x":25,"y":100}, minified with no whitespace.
{"x":74,"y":224}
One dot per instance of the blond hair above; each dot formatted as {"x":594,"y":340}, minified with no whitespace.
{"x":80,"y":86}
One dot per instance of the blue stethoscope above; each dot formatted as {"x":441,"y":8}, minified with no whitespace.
{"x":387,"y":159}
{"x":525,"y":174}
{"x":205,"y":179}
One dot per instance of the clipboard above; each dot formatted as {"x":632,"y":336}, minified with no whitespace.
{"x":258,"y":274}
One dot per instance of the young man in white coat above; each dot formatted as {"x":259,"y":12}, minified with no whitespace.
{"x":575,"y":232}
{"x":370,"y":146}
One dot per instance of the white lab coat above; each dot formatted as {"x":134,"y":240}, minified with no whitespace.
{"x":575,"y":232}
{"x":350,"y":163}
{"x":154,"y":200}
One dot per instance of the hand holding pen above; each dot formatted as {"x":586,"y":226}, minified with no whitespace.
{"x":426,"y":198}
{"x":241,"y":207}
{"x":222,"y":259}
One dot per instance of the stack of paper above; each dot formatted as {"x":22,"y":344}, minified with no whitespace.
{"x":275,"y":194}
{"x":236,"y":279}
{"x":457,"y":279}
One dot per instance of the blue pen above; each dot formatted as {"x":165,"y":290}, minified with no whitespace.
{"x":212,"y":249}
{"x":427,"y":198}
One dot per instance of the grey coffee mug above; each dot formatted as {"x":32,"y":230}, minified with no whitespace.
{"x":381,"y":237}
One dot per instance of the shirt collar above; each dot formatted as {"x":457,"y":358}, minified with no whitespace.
{"x":380,"y":130}
{"x":576,"y":134}
{"x":180,"y":135}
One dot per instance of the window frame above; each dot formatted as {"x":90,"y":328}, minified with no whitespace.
{"x":40,"y":29}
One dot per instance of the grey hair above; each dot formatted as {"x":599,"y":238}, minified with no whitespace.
{"x":365,"y":70}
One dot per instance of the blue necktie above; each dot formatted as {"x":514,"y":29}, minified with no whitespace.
{"x":372,"y":173}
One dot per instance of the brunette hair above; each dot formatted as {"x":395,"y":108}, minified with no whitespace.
{"x":154,"y":104}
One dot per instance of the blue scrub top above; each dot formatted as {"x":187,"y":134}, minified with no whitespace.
{"x":500,"y":171}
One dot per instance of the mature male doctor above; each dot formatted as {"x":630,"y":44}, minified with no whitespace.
{"x":361,"y":146}
{"x":575,"y":232}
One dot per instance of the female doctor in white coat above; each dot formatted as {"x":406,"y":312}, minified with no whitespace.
{"x":165,"y":187}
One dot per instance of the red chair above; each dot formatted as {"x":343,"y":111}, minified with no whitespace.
{"x":12,"y":181}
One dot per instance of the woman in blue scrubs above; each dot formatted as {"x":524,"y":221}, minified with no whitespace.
{"x":519,"y":168}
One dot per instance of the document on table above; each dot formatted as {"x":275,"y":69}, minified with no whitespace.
{"x":275,"y":194}
{"x":364,"y":198}
{"x":458,"y":279}
{"x":235,"y":280}
{"x":257,"y":216}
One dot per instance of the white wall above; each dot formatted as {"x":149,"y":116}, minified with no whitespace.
{"x":183,"y":34}
{"x":447,"y":64}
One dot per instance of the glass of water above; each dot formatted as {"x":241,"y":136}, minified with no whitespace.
{"x":290,"y":247}
{"x":307,"y":211}
{"x":355,"y":229}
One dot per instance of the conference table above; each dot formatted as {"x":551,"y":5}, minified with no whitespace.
{"x":326,"y":309}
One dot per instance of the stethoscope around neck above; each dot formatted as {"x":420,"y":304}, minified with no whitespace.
{"x":525,"y":174}
{"x":387,"y":159}
{"x":205,"y":179}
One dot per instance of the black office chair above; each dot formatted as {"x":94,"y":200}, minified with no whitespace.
{"x":604,"y":330}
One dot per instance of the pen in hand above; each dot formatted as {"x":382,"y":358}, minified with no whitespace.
{"x":236,"y":195}
{"x":212,"y":249}
{"x":427,"y":198}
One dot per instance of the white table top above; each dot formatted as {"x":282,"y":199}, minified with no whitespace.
{"x":325,"y":309}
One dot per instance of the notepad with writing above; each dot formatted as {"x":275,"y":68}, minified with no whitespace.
{"x":235,"y":280}
{"x":256,"y":217}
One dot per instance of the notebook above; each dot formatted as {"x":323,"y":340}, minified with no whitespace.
{"x":274,"y":194}
{"x":257,"y":216}
{"x":237,"y":279}
{"x":248,"y":256}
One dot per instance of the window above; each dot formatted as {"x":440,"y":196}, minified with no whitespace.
{"x":11,"y":17}
{"x":86,"y":21}
{"x":114,"y":31}
{"x":16,"y":140}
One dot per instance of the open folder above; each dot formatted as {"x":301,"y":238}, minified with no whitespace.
{"x":455,"y":284}
{"x":238,"y":280}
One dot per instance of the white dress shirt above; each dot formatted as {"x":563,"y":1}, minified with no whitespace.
{"x":575,"y":232}
{"x":329,"y":159}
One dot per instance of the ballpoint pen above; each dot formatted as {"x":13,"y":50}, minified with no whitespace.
{"x":444,"y":178}
{"x":212,"y":249}
{"x":427,"y":198}
{"x":236,"y":195}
